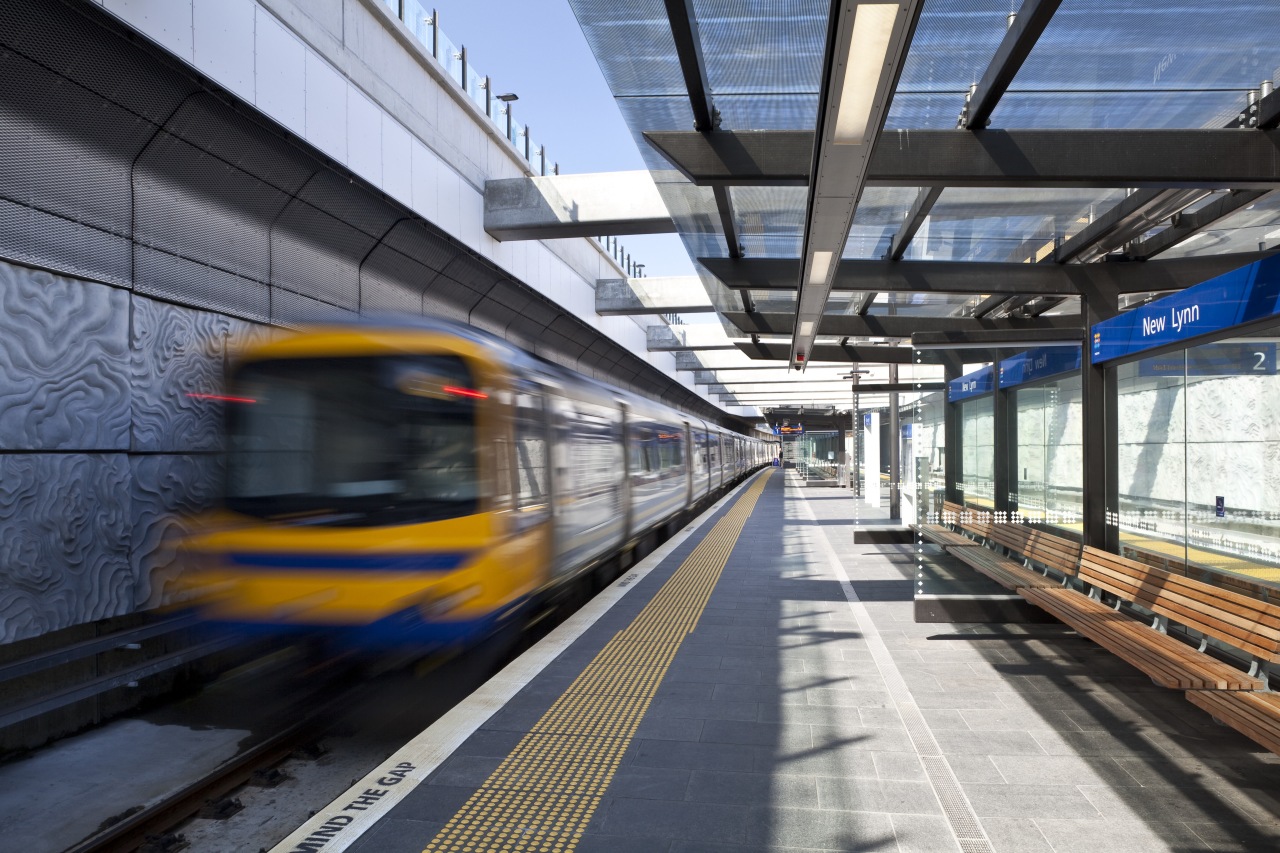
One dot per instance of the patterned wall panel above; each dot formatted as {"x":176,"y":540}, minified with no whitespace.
{"x":176,"y":353}
{"x":64,"y":541}
{"x":64,"y":380}
{"x":167,"y":492}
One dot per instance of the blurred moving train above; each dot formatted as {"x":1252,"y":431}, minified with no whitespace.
{"x":423,"y":482}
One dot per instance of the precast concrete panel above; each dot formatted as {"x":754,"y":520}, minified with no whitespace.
{"x":64,"y":381}
{"x":397,"y":161}
{"x":448,"y":190}
{"x":223,"y":42}
{"x":280,"y":78}
{"x":167,"y":22}
{"x":326,"y":105}
{"x":426,"y":168}
{"x":64,"y":541}
{"x":364,"y":136}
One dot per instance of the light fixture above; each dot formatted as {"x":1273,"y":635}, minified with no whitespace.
{"x":819,"y":266}
{"x":507,"y":97}
{"x":806,"y":328}
{"x":868,"y":49}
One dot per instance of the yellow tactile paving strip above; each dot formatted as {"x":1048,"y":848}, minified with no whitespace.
{"x":543,"y":794}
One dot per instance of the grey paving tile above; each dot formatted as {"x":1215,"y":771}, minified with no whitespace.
{"x":765,"y":694}
{"x":988,"y":743}
{"x":1015,"y":835}
{"x":1043,"y":800}
{"x":844,"y":762}
{"x":600,"y":842}
{"x":789,"y":736}
{"x":676,"y":688}
{"x":1062,"y":769}
{"x":691,"y":756}
{"x":752,"y":789}
{"x":850,"y":698}
{"x":685,"y":820}
{"x":490,"y":742}
{"x":1167,"y":803}
{"x":396,"y":834}
{"x":877,"y":739}
{"x":1095,"y":836}
{"x":820,"y":829}
{"x":669,"y":728}
{"x":711,"y":677}
{"x":898,"y":766}
{"x":818,"y":715}
{"x":877,"y":795}
{"x":1006,"y":719}
{"x":923,"y":834}
{"x":978,"y":769}
{"x":649,"y":783}
{"x":704,"y":709}
{"x":465,"y":771}
{"x":959,"y":700}
{"x":1236,"y":838}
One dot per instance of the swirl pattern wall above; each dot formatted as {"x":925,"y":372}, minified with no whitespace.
{"x":103,"y":451}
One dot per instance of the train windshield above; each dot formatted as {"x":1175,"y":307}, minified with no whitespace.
{"x":353,"y":441}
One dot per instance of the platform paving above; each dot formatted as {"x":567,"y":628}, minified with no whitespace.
{"x":792,"y":718}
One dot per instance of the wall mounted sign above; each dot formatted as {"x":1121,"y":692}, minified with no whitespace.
{"x":1240,"y":296}
{"x":979,"y":382}
{"x":1036,"y":364}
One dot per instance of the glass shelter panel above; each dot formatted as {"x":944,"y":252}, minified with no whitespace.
{"x":1151,"y":458}
{"x":977,"y":452}
{"x":1048,"y":465}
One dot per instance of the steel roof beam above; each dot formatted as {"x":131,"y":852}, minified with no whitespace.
{"x":684,"y":31}
{"x":1019,"y":39}
{"x":1186,"y":225}
{"x":1004,"y":338}
{"x":835,"y":354}
{"x":981,"y":277}
{"x":991,"y":303}
{"x":1263,"y":114}
{"x":896,"y":326}
{"x":1133,"y":216}
{"x":1206,"y":159}
{"x":915,"y":217}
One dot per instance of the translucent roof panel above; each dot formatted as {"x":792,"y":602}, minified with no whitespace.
{"x":758,"y":46}
{"x":952,"y":45}
{"x":1175,"y":63}
{"x":921,"y":304}
{"x":633,"y":45}
{"x":1256,"y":227}
{"x":881,"y":212}
{"x":983,"y":224}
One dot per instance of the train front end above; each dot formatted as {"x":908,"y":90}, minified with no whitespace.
{"x":367,"y":492}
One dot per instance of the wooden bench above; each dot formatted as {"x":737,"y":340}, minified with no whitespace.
{"x":943,"y":534}
{"x":1022,"y":548}
{"x":1247,"y":624}
{"x":1254,"y":715}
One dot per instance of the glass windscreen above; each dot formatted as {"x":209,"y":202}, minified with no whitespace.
{"x":1048,"y":453}
{"x":977,"y":452}
{"x":353,"y":441}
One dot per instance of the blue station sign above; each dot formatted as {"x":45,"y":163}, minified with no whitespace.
{"x":975,"y":384}
{"x":1240,"y":296}
{"x":1036,"y":364}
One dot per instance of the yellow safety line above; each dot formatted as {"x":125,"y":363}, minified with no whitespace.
{"x":543,"y":794}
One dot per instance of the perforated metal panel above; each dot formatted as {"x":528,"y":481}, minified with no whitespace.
{"x":317,"y":255}
{"x":189,"y":283}
{"x":293,"y":310}
{"x":32,"y":236}
{"x":200,"y":207}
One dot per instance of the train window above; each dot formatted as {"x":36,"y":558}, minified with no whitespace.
{"x":354,"y":441}
{"x":531,"y":451}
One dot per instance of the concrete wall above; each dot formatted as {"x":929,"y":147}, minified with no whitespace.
{"x":347,"y":77}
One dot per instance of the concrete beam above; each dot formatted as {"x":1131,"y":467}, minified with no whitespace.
{"x":683,"y":294}
{"x":677,"y":338}
{"x":594,"y":205}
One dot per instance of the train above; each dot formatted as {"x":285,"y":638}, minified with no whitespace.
{"x":422,"y":482}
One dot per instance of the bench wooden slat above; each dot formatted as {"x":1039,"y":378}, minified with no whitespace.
{"x":1246,"y":623}
{"x":942,"y":535}
{"x":1002,"y":570}
{"x":1254,"y":715}
{"x":1169,"y":662}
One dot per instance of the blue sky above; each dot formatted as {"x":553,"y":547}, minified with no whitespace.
{"x":536,"y":50}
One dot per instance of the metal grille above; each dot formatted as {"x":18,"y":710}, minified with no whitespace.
{"x":189,"y":283}
{"x":314,"y":254}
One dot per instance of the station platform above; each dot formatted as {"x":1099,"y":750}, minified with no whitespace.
{"x":759,"y":683}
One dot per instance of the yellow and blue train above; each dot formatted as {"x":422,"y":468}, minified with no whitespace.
{"x":422,"y":482}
